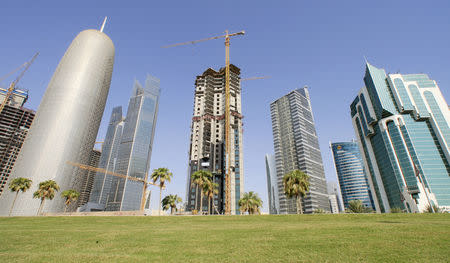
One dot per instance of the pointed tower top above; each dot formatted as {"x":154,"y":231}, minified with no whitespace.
{"x":103,"y":25}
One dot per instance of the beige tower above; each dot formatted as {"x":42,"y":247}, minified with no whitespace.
{"x":208,"y":138}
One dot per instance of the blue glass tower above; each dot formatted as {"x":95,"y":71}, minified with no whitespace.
{"x":108,"y":160}
{"x":350,"y":172}
{"x":133,"y":157}
{"x":402,"y":124}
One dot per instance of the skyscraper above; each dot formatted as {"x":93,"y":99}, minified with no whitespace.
{"x":135,"y":148}
{"x":88,"y":178}
{"x":15,"y":121}
{"x":272,"y":185}
{"x":108,"y":160}
{"x":297,"y":147}
{"x":350,"y":172}
{"x":208,"y":138}
{"x":66,"y":122}
{"x":402,"y":124}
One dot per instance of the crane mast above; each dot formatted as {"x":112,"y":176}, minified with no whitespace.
{"x":12,"y":87}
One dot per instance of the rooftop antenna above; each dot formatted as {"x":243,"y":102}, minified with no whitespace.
{"x":103,"y":25}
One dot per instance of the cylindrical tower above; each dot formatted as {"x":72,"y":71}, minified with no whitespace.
{"x":66,"y":123}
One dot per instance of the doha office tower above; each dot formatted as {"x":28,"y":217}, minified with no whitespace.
{"x":350,"y":172}
{"x":297,"y":147}
{"x":134,"y":150}
{"x":402,"y":124}
{"x":207,"y":150}
{"x":66,"y":122}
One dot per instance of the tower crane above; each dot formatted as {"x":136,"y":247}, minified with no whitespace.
{"x":12,"y":87}
{"x":227,"y":37}
{"x":101,"y":170}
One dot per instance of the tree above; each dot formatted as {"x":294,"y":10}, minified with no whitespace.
{"x":357,"y":206}
{"x":17,"y":185}
{"x":200,"y":178}
{"x":250,"y":202}
{"x":46,"y":190}
{"x":296,"y":184}
{"x":171,"y":202}
{"x":70,"y":195}
{"x":162,"y":175}
{"x":435,"y":208}
{"x":210,"y":189}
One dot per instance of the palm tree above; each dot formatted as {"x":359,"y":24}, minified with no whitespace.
{"x":200,"y":178}
{"x":433,"y":209}
{"x":250,"y":202}
{"x":70,"y":195}
{"x":16,"y":185}
{"x":171,"y":202}
{"x":162,"y":175}
{"x":210,"y":189}
{"x":357,"y":206}
{"x":46,"y":190}
{"x":296,"y":184}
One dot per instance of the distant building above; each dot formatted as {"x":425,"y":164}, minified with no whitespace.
{"x":332,"y":188}
{"x":108,"y":160}
{"x":66,"y":123}
{"x":402,"y":124}
{"x":88,"y":178}
{"x":297,"y":147}
{"x":334,"y":207}
{"x":207,"y":147}
{"x":15,"y":121}
{"x":135,"y":148}
{"x":272,"y":185}
{"x":350,"y":172}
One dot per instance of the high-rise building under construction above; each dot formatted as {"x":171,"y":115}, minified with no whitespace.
{"x":66,"y":123}
{"x":15,"y":120}
{"x":207,"y":147}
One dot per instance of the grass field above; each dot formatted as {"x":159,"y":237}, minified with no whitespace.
{"x":283,"y":238}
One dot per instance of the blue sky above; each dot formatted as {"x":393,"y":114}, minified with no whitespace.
{"x":316,"y":43}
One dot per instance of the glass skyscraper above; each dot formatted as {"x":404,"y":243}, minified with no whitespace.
{"x":350,"y":172}
{"x":272,"y":185}
{"x":297,"y":147}
{"x":108,"y":160}
{"x":402,"y":124}
{"x":135,"y":147}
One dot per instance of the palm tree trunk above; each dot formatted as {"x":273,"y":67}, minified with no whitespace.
{"x":12,"y":206}
{"x":209,"y":205}
{"x":65,"y":208}
{"x":40,"y":207}
{"x":196,"y":194}
{"x":201,"y":201}
{"x":299,"y":205}
{"x":159,"y":204}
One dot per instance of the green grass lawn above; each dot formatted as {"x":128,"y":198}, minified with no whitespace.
{"x":283,"y":238}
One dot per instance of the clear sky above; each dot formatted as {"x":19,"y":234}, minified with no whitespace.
{"x":316,"y":43}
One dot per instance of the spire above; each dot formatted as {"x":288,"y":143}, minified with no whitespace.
{"x":103,"y":25}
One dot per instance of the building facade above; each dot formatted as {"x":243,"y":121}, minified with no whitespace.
{"x":350,"y":172}
{"x":207,"y":147}
{"x":402,"y":124}
{"x":66,"y":122}
{"x":297,"y":147}
{"x":108,"y":160}
{"x":15,"y":121}
{"x":272,"y":185}
{"x":135,"y":148}
{"x":88,"y":178}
